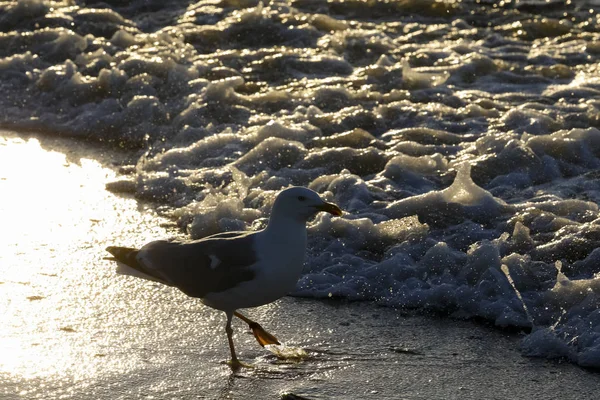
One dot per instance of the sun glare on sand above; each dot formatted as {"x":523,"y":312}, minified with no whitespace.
{"x":54,"y":214}
{"x":40,"y":213}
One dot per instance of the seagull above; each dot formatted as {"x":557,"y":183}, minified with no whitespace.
{"x":234,"y":270}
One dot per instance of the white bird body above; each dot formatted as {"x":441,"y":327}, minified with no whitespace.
{"x":234,"y":270}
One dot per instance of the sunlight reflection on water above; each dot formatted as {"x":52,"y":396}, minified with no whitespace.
{"x":51,"y":288}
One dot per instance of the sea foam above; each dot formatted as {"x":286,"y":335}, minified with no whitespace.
{"x":457,"y":149}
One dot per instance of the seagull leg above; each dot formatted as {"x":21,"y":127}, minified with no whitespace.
{"x":235,"y":363}
{"x":262,"y":337}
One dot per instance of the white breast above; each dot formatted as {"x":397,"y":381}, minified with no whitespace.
{"x":283,"y":262}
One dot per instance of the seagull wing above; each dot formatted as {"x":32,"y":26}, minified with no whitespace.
{"x":213,"y":264}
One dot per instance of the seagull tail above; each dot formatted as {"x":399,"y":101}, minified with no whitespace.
{"x":128,"y":264}
{"x":125,"y":255}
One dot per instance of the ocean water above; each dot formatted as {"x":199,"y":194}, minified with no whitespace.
{"x":461,"y":138}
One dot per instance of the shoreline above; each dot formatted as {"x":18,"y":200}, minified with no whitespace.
{"x":75,"y":330}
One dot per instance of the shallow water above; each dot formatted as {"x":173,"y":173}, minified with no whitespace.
{"x":73,"y":329}
{"x":459,"y":136}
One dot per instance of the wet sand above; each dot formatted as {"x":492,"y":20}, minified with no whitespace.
{"x":72,"y":329}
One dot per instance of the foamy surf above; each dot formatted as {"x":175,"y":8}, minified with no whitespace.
{"x":455,"y":147}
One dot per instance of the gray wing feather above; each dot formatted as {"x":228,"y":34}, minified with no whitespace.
{"x":212,"y":264}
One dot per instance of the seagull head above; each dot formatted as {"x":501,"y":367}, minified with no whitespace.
{"x":301,"y":203}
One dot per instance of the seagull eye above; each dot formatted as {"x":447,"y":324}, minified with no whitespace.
{"x":301,"y":198}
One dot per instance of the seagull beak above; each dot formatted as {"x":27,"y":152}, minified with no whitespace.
{"x":330,"y":208}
